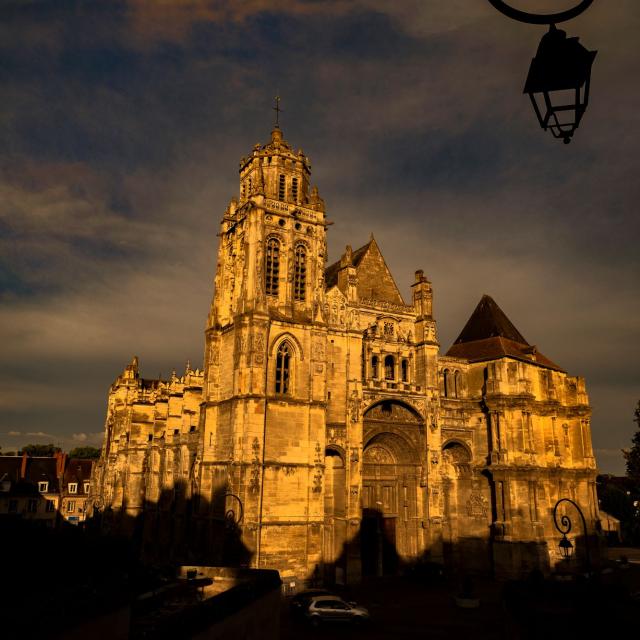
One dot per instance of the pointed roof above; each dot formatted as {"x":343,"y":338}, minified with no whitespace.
{"x":488,"y":320}
{"x":374,"y":278}
{"x":489,"y":335}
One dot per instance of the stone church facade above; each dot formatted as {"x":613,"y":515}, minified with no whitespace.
{"x":325,"y":434}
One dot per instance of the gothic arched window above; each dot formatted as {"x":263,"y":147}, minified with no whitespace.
{"x":374,"y":367}
{"x":389,"y":368}
{"x":281,"y":187}
{"x":405,"y":371}
{"x":457,"y":384}
{"x":283,"y":368}
{"x":294,"y":189}
{"x":447,"y":383}
{"x":300,"y":274}
{"x":272,"y":267}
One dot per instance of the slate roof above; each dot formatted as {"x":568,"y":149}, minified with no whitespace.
{"x":489,"y":335}
{"x":375,"y":280}
{"x":78,"y":470}
{"x":37,"y":470}
{"x":331,"y":272}
{"x":488,"y":320}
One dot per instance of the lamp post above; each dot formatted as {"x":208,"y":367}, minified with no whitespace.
{"x":566,"y":546}
{"x":560,"y":73}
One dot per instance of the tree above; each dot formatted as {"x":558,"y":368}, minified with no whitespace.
{"x":632,"y":456}
{"x":43,"y":450}
{"x":86,"y":453}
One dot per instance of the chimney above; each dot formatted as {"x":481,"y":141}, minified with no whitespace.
{"x":23,"y":466}
{"x":61,"y":463}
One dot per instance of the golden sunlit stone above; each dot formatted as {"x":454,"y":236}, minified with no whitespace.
{"x":325,"y":436}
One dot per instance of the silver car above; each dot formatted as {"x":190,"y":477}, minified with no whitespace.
{"x":323,"y":609}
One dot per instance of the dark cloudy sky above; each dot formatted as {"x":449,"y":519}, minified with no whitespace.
{"x":123,"y":124}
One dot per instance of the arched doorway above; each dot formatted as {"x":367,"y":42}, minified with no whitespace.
{"x":392,"y":497}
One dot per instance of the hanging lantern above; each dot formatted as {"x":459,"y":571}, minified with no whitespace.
{"x":558,"y":83}
{"x":566,"y":548}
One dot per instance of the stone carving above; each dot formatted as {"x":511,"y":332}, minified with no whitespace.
{"x":254,"y":482}
{"x":239,"y":350}
{"x":317,"y":350}
{"x":476,"y":506}
{"x":354,"y":407}
{"x":375,"y":454}
{"x":389,"y":411}
{"x":336,"y":435}
{"x":214,"y":354}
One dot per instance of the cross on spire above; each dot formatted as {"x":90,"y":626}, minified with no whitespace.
{"x":277,"y":109}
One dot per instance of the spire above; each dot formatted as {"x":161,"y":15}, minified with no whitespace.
{"x":489,"y":321}
{"x":277,"y":109}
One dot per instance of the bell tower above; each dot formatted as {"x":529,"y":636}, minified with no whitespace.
{"x":264,"y":395}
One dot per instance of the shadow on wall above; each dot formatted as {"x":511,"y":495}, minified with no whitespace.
{"x":180,"y":529}
{"x":372,"y":552}
{"x":76,"y":574}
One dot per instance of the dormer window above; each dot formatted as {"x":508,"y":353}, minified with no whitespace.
{"x":43,"y":487}
{"x":73,"y":487}
{"x":281,"y":187}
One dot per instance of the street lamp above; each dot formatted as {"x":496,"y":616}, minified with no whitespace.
{"x":566,"y":547}
{"x":560,"y":73}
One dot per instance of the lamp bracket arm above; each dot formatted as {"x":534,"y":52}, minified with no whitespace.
{"x":540,"y":18}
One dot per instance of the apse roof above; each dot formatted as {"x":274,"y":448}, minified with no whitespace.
{"x":489,"y":335}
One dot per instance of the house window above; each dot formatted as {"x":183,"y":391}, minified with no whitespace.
{"x":282,"y":368}
{"x":13,"y":506}
{"x":73,"y":487}
{"x":389,"y":368}
{"x":300,"y":274}
{"x":71,"y":506}
{"x":51,"y":506}
{"x":281,"y":187}
{"x":405,"y":371}
{"x":294,"y":189}
{"x":43,"y":487}
{"x":32,"y":507}
{"x":374,"y":367}
{"x":86,"y":487}
{"x":272,"y":267}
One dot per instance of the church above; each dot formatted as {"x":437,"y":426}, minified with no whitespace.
{"x":326,"y":434}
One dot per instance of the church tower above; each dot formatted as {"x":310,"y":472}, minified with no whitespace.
{"x":263,"y":411}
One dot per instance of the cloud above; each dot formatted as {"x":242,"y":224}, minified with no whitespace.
{"x":14,"y":433}
{"x":79,"y":437}
{"x":39,"y":434}
{"x":124,"y":127}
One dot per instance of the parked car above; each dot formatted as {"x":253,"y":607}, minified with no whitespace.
{"x":300,"y":602}
{"x":324,"y":609}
